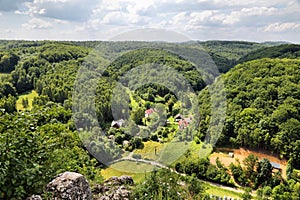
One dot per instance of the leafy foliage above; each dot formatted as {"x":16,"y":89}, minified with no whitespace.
{"x":203,"y":169}
{"x":280,"y":51}
{"x":35,"y":147}
{"x":8,"y":61}
{"x":263,"y":106}
{"x":164,"y":184}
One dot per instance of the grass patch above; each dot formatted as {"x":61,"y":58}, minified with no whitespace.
{"x":172,"y":151}
{"x":133,"y":167}
{"x":30,"y":96}
{"x":133,"y":102}
{"x":148,"y":152}
{"x":196,"y":151}
{"x":221,"y":192}
{"x":201,"y":150}
{"x":137,"y":171}
{"x":109,"y":172}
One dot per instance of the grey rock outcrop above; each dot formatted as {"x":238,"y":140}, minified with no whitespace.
{"x":115,"y":188}
{"x":70,"y":186}
{"x":34,"y":197}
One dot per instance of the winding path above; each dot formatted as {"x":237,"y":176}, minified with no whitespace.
{"x":157,"y":164}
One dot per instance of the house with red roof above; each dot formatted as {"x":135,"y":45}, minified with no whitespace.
{"x":183,"y":123}
{"x":149,"y":112}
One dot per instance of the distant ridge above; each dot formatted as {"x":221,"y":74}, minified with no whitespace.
{"x":274,"y":43}
{"x":279,"y":51}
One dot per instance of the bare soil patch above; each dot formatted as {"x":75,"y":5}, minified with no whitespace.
{"x":242,"y":153}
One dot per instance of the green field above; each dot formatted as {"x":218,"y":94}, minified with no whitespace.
{"x":148,"y":152}
{"x":137,"y":171}
{"x":221,"y":192}
{"x":172,"y":151}
{"x":30,"y":96}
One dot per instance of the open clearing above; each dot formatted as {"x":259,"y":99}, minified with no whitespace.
{"x":242,"y":153}
{"x":30,"y":96}
{"x":148,"y":152}
{"x":137,"y":171}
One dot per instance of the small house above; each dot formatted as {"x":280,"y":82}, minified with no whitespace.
{"x":276,"y":165}
{"x":178,"y":117}
{"x":149,"y":112}
{"x":117,"y":124}
{"x":182,"y":124}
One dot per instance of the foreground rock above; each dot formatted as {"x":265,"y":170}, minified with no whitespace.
{"x":70,"y":186}
{"x":34,"y":197}
{"x":116,"y":188}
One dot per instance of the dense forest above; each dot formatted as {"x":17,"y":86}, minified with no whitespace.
{"x":263,"y":109}
{"x":261,"y":87}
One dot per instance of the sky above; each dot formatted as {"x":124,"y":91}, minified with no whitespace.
{"x":251,"y":20}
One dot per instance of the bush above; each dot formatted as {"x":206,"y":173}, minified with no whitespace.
{"x":154,"y":138}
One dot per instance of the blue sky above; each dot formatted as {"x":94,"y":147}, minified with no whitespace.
{"x":256,"y":20}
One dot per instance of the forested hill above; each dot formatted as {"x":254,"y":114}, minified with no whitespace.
{"x":227,"y":53}
{"x":263,"y":98}
{"x":231,"y":49}
{"x":280,"y":51}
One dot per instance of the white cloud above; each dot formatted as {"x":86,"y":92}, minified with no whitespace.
{"x":36,"y":23}
{"x":237,"y":16}
{"x":120,"y":18}
{"x":281,"y":27}
{"x":72,"y":10}
{"x":252,"y":3}
{"x":179,"y":18}
{"x":258,"y":11}
{"x":197,"y":18}
{"x":59,"y":21}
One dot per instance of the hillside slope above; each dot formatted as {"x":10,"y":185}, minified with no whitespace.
{"x":281,"y":51}
{"x":263,"y":106}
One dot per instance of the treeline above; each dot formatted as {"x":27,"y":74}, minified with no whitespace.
{"x":280,"y":51}
{"x":231,"y":50}
{"x":204,"y":170}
